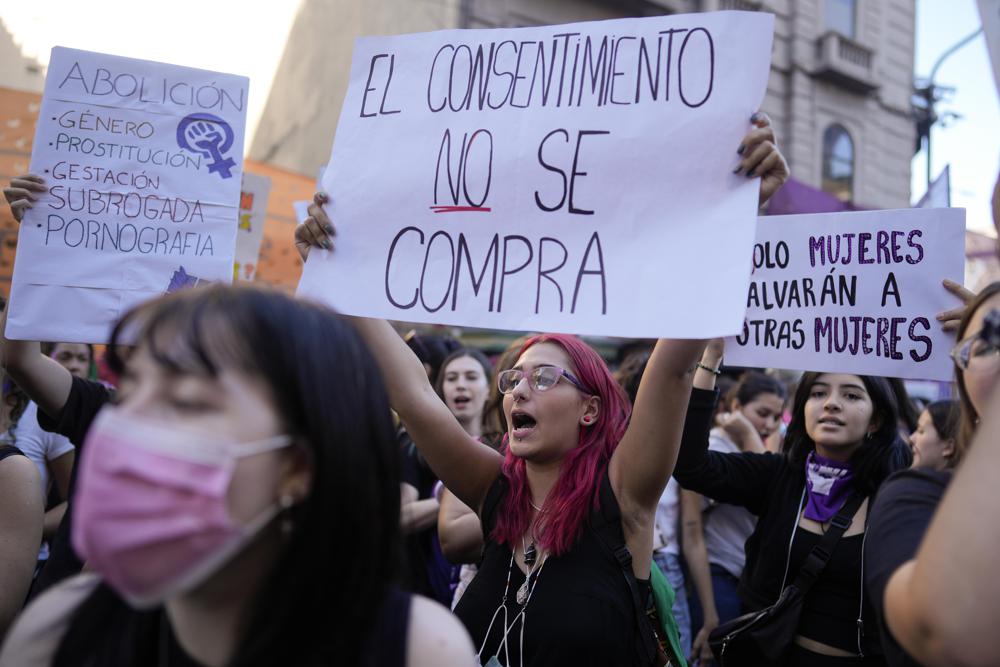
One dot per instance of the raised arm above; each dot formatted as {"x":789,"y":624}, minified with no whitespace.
{"x":942,"y":606}
{"x":42,"y":379}
{"x":644,"y":459}
{"x":466,"y":466}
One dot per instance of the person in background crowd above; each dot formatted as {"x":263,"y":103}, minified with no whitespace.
{"x":463,"y":384}
{"x":755,"y":406}
{"x":915,"y":633}
{"x":571,"y":443}
{"x":908,"y":411}
{"x":21,"y":519}
{"x":52,"y":454}
{"x":205,"y":494}
{"x":934,"y":441}
{"x":841,"y":444}
{"x":431,"y":350}
{"x":77,"y":358}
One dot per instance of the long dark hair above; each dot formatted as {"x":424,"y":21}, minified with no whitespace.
{"x":968,"y":417}
{"x":327,"y":390}
{"x":877,"y":457}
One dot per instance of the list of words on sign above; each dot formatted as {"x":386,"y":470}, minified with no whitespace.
{"x":500,"y":160}
{"x":143,"y":162}
{"x":833,"y":291}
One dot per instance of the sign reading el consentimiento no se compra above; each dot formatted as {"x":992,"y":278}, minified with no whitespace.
{"x":564,"y":178}
{"x":143,"y":161}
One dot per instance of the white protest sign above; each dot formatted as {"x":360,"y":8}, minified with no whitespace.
{"x":989,"y":13}
{"x":574,"y":178}
{"x":853,"y":293}
{"x":301,"y":209}
{"x":250,"y":230}
{"x":143,"y":161}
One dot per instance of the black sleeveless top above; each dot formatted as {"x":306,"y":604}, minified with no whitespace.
{"x":831,"y":608}
{"x":9,"y":450}
{"x":580,"y":611}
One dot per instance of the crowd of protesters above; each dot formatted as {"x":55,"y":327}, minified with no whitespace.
{"x":270,"y":483}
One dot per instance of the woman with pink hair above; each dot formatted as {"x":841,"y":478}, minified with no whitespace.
{"x":569,"y":502}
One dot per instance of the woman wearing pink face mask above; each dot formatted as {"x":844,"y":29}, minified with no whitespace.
{"x":206,"y":496}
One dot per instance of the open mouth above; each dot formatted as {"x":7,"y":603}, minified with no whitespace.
{"x":461,"y":401}
{"x":522,"y":424}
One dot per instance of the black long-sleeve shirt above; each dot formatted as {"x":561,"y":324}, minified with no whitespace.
{"x":769,"y":487}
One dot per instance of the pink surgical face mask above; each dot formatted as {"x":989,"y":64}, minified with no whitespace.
{"x":150,"y":510}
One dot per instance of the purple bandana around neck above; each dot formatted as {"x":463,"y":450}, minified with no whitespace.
{"x":828,"y":484}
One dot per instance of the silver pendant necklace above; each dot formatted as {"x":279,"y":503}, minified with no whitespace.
{"x":530,"y":558}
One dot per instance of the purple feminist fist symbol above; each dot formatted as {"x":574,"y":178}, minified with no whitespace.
{"x":182,"y":280}
{"x":209,"y":136}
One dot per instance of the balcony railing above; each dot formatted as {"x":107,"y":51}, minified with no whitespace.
{"x":845,"y":62}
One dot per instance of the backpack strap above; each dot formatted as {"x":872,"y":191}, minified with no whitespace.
{"x":820,"y":554}
{"x":606,"y":522}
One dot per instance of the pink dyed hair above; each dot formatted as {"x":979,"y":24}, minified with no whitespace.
{"x":577,"y":491}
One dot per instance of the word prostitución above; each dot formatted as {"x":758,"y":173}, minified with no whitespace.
{"x":571,"y":69}
{"x":858,"y":298}
{"x":144,"y":162}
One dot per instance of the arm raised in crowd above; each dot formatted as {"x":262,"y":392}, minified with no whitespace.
{"x":42,"y":379}
{"x":641,"y":465}
{"x":738,"y":479}
{"x":943,"y":604}
{"x":466,"y":466}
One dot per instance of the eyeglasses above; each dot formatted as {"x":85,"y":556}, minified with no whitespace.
{"x":975,"y":354}
{"x":542,"y":378}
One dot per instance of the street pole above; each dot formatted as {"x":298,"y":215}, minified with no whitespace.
{"x":930,"y":93}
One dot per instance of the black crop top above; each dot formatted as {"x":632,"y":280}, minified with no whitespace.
{"x":831,"y":609}
{"x":580,"y":612}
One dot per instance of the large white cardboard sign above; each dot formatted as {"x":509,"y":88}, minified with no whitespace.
{"x":143,"y":161}
{"x":574,"y":178}
{"x":853,"y":293}
{"x":250,"y":230}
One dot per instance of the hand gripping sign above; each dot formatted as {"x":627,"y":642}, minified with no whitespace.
{"x":561,"y":178}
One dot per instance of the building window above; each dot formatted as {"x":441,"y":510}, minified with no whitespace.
{"x":840,"y":16}
{"x":838,"y":163}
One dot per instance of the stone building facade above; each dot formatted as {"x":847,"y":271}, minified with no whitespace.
{"x":839,"y":92}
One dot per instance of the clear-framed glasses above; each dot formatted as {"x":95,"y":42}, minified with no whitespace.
{"x":975,"y":354}
{"x":542,"y":378}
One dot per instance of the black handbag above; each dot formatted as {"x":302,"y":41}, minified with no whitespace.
{"x":763,"y":636}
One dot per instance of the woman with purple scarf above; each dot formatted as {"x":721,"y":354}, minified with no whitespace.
{"x":840,"y":445}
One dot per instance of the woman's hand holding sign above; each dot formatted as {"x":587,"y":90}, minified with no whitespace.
{"x":761,"y":157}
{"x":22,"y":192}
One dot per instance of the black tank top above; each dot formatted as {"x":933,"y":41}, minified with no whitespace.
{"x":580,"y":611}
{"x":830,"y":610}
